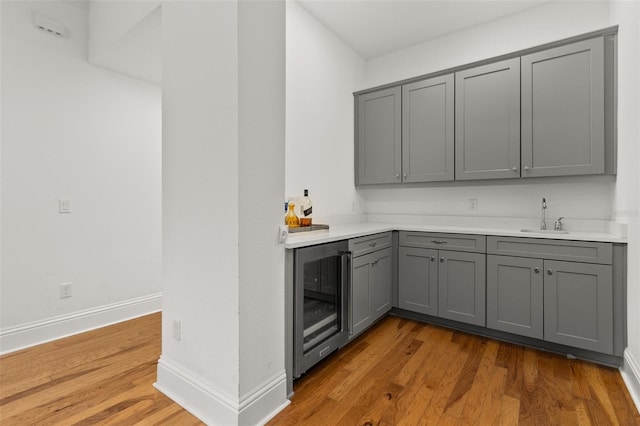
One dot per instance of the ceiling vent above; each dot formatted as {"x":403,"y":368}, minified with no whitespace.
{"x":49,"y":25}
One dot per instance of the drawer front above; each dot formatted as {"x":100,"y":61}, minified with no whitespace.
{"x":369,"y":243}
{"x":573,"y":251}
{"x":456,"y":242}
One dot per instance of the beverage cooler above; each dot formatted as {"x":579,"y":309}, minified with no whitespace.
{"x":320,"y":302}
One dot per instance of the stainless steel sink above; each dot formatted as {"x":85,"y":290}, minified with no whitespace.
{"x":544,"y":231}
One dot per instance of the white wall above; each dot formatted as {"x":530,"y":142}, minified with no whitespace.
{"x":546,"y":23}
{"x":322,"y":73}
{"x":112,"y":20}
{"x":125,"y":36}
{"x":200,"y":193}
{"x":261,"y":65}
{"x":223,"y":185}
{"x":627,"y":192}
{"x":72,"y":130}
{"x":574,"y":198}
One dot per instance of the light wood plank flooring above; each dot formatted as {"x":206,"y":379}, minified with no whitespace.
{"x":102,"y":377}
{"x":402,"y":372}
{"x":399,"y":373}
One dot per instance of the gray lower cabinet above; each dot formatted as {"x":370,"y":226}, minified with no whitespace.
{"x":563,"y":113}
{"x":371,"y":282}
{"x":461,"y":286}
{"x":487,"y":140}
{"x":445,"y":283}
{"x":559,"y":291}
{"x":378,"y":148}
{"x":515,"y":291}
{"x":418,"y":280}
{"x":578,"y":305}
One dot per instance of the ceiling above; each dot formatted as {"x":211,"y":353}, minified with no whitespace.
{"x":377,"y":27}
{"x":370,"y":27}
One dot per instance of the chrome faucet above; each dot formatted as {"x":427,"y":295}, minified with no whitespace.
{"x":543,"y":224}
{"x":558,"y":225}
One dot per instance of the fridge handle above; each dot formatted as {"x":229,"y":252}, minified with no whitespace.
{"x":345,"y":264}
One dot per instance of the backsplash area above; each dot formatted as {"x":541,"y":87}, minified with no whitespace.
{"x":588,"y":197}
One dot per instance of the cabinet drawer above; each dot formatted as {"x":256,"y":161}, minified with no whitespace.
{"x":369,"y":243}
{"x":573,"y":251}
{"x":456,"y":242}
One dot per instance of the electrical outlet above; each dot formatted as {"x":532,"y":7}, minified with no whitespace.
{"x":283,"y":233}
{"x":473,"y":204}
{"x":177,"y":330}
{"x":65,"y":290}
{"x":64,"y":205}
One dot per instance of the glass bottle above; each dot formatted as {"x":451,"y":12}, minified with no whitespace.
{"x":306,"y":209}
{"x":290,"y":218}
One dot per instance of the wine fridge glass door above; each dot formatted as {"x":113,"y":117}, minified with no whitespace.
{"x":321,"y":301}
{"x":320,"y":294}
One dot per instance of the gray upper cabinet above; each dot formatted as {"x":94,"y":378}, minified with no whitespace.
{"x":545,"y":111}
{"x":487,"y":138}
{"x":378,"y":149}
{"x":563,"y":110}
{"x":428,"y":130}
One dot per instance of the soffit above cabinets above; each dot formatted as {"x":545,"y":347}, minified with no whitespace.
{"x":376,"y":27}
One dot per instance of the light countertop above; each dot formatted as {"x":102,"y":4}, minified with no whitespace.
{"x":353,"y":230}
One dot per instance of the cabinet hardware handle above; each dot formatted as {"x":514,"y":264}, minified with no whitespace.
{"x":373,"y":244}
{"x":404,"y":175}
{"x":536,"y":270}
{"x":442,"y":260}
{"x":397,"y":176}
{"x":515,"y":169}
{"x":526,"y":168}
{"x":433,"y":258}
{"x":549,"y":272}
{"x":438,"y":242}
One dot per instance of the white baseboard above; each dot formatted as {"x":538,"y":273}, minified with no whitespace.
{"x":630,"y":372}
{"x":213,"y":406}
{"x":264,"y":402}
{"x":35,"y":333}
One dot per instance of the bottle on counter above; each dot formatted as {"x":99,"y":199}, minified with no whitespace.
{"x":306,"y":209}
{"x":290,"y":218}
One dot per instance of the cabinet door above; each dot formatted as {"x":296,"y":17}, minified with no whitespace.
{"x":515,"y":295}
{"x":379,"y":137}
{"x":427,"y":130}
{"x":380,"y":284}
{"x":563,"y":110}
{"x":488,"y":121}
{"x":461,"y":286}
{"x":359,"y":314}
{"x":418,"y":280}
{"x":578,"y":305}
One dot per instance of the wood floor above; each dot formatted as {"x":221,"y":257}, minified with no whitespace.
{"x":406,"y":373}
{"x":399,"y":373}
{"x":103,"y":377}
